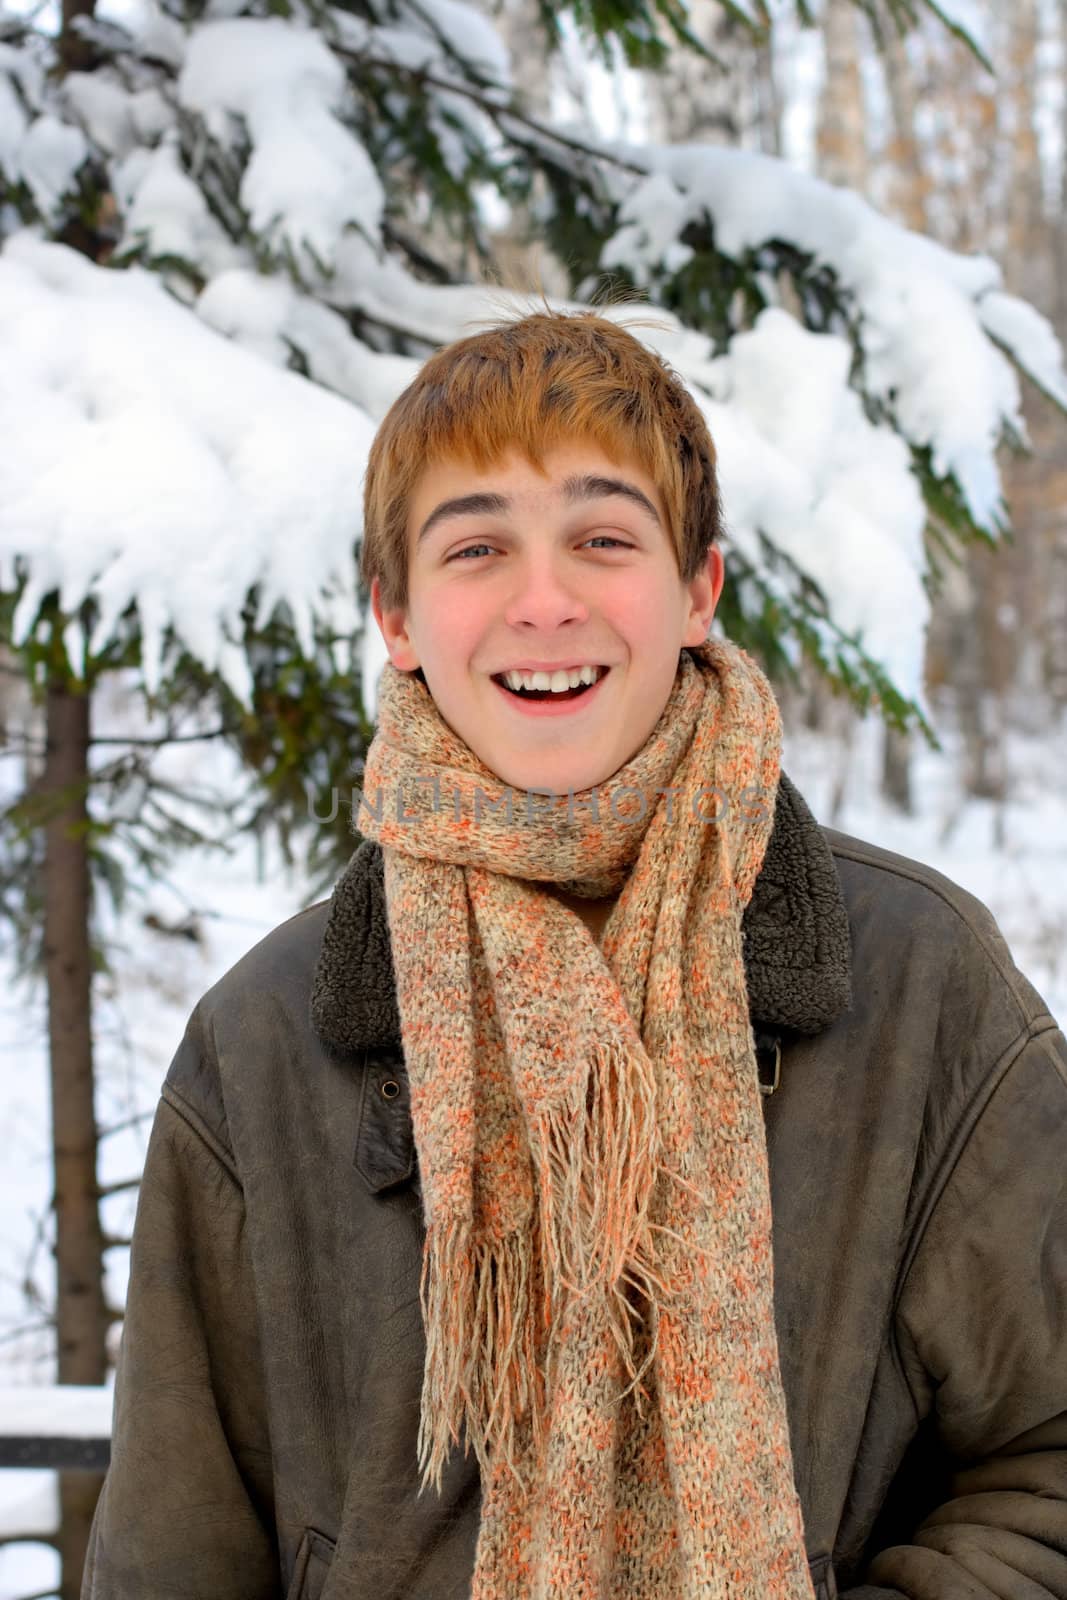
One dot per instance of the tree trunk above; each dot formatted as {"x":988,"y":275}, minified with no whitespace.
{"x":1027,"y":254}
{"x":76,"y":54}
{"x":768,"y":102}
{"x":521,"y":260}
{"x":720,"y":102}
{"x":896,"y":769}
{"x":1059,"y":258}
{"x":978,"y":708}
{"x":841,"y":133}
{"x":1055,"y":640}
{"x":909,"y":176}
{"x":81,"y":1319}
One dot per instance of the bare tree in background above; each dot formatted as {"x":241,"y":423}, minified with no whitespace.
{"x":909,"y":187}
{"x":61,"y":796}
{"x":963,"y":163}
{"x":519,"y":263}
{"x":81,"y":1312}
{"x":731,"y":99}
{"x":842,"y":153}
{"x":841,"y":128}
{"x":1054,"y":641}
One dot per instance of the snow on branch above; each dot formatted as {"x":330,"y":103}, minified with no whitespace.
{"x":309,"y":177}
{"x":464,"y":32}
{"x":923,"y":316}
{"x":800,"y":463}
{"x":159,"y":452}
{"x":148,"y":459}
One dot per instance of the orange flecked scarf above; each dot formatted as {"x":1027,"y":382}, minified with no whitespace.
{"x":597,"y":1285}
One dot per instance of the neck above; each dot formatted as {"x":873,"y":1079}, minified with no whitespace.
{"x":594,"y":913}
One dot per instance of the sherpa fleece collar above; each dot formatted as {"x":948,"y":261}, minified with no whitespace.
{"x":796,"y":940}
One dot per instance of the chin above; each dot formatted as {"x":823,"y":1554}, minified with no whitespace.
{"x":577,"y":782}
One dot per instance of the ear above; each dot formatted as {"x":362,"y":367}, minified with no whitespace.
{"x":393,"y":625}
{"x":704,"y":591}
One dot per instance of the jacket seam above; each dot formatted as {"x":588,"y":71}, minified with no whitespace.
{"x":195,"y":1123}
{"x":1058,"y":1065}
{"x":952,"y":1155}
{"x":899,"y":867}
{"x":950,"y":1161}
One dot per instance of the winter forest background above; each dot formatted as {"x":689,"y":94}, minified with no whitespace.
{"x":229,"y":231}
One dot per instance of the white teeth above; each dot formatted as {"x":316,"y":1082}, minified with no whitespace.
{"x":556,"y":681}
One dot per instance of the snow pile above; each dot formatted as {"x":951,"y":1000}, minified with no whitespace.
{"x":147,"y":458}
{"x":176,"y":466}
{"x":74,"y":1411}
{"x":29,"y":1510}
{"x":800,"y":462}
{"x":270,"y":317}
{"x":114,"y":119}
{"x":465,"y":31}
{"x":1030,"y":338}
{"x":166,"y":211}
{"x":42,"y":152}
{"x":309,"y":177}
{"x":157,"y":462}
{"x":923,"y":309}
{"x":46,"y":157}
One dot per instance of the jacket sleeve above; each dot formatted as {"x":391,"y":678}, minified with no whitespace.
{"x":982,"y":1329}
{"x":186,"y":1504}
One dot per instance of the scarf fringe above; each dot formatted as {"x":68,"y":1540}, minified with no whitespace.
{"x":597,"y":1170}
{"x":587,"y":1211}
{"x":598,"y":1167}
{"x":480,"y":1374}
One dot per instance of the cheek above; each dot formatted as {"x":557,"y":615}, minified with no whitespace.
{"x":640,"y":612}
{"x":454,"y":623}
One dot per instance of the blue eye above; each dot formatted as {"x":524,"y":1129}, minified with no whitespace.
{"x":599,"y":538}
{"x":468,"y":550}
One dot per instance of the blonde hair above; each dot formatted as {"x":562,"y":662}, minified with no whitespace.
{"x":529,"y":384}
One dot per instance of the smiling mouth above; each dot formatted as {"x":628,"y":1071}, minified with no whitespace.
{"x":551,"y":694}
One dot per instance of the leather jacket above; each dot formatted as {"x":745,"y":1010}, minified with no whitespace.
{"x":915,"y":1098}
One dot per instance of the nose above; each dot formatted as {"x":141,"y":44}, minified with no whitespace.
{"x":541,"y":597}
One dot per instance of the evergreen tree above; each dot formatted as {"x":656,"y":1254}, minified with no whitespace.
{"x":312,"y":180}
{"x":308,"y":186}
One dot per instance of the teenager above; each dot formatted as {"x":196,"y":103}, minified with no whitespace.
{"x":623,"y":1188}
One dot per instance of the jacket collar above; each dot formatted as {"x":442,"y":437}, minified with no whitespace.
{"x":795,"y":933}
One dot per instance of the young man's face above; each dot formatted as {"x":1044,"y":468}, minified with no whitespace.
{"x":509,"y":568}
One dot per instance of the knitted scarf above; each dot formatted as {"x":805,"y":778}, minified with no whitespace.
{"x":597,"y":1285}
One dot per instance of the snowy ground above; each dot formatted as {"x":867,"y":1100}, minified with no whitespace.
{"x":1013,"y":857}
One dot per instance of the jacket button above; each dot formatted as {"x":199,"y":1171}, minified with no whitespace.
{"x":390,"y":1088}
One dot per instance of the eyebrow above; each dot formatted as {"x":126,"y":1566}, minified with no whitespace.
{"x":587,"y":486}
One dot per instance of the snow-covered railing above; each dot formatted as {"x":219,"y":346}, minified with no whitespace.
{"x":68,"y":1427}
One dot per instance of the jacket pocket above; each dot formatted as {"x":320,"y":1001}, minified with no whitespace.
{"x":312,"y":1566}
{"x":823,"y":1578}
{"x":385,"y":1140}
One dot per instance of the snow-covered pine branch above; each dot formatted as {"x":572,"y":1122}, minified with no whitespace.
{"x":250,"y":164}
{"x":148,"y":460}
